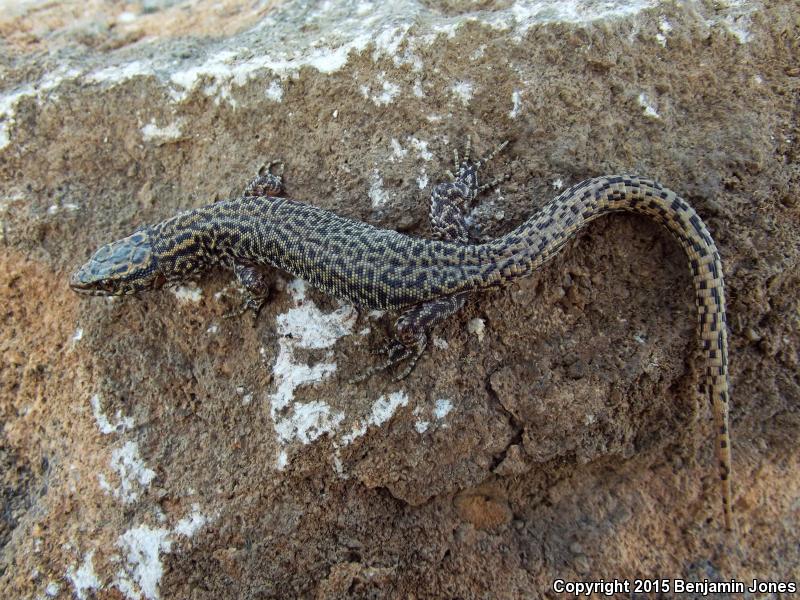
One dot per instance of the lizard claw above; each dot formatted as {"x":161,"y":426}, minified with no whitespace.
{"x":249,"y":303}
{"x":494,"y":182}
{"x":267,"y":168}
{"x":494,"y":152}
{"x":396,"y":352}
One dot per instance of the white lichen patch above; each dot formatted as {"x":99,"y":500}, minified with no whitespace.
{"x":117,"y":74}
{"x":8,"y":106}
{"x":478,"y":52}
{"x":140,"y":559}
{"x":324,"y":38}
{"x":190,"y":525}
{"x":104,"y":485}
{"x":282,"y":460}
{"x":162,"y":135}
{"x":43,"y":89}
{"x":649,"y":110}
{"x":516,"y":104}
{"x":83,"y":579}
{"x":126,"y":17}
{"x":463,"y":91}
{"x":388,"y":42}
{"x":531,"y":13}
{"x":275,"y":91}
{"x":381,"y":91}
{"x":376,"y":193}
{"x":54,"y":209}
{"x":305,"y":327}
{"x":734,"y":15}
{"x":382,"y":410}
{"x":120,"y":425}
{"x":142,"y":570}
{"x":216,"y":68}
{"x":308,"y":422}
{"x":308,"y":327}
{"x":290,"y":374}
{"x":398,"y":151}
{"x":134,"y":476}
{"x":421,"y":148}
{"x":664,"y":28}
{"x":441,"y":408}
{"x":188,"y":293}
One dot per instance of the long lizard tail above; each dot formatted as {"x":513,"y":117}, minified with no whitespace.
{"x":533,"y":243}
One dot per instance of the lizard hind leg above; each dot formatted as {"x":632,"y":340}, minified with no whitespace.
{"x":411,"y":335}
{"x":464,"y":179}
{"x":449,"y":199}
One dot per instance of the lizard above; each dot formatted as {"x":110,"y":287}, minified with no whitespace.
{"x":426,"y":280}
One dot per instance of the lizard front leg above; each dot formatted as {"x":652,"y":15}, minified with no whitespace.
{"x":266,"y":183}
{"x":256,"y":290}
{"x":256,"y":287}
{"x":447,"y":219}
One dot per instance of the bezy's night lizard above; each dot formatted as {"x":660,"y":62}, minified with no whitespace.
{"x":427,"y":279}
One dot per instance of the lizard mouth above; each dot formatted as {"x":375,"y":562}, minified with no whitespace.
{"x":90,"y":288}
{"x":86,"y":285}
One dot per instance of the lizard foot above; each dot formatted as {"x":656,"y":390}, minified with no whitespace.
{"x":396,"y":352}
{"x":266,"y":183}
{"x":249,"y":303}
{"x":464,"y":169}
{"x":465,"y":185}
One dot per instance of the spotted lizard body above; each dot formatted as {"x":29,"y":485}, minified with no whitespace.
{"x":428,"y":280}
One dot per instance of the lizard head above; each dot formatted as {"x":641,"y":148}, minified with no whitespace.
{"x":123,"y":267}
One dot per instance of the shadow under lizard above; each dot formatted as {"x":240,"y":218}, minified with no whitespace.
{"x":427,"y":279}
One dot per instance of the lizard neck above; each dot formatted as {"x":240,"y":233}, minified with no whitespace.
{"x":218,"y":234}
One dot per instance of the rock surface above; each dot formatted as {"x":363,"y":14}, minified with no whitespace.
{"x":152,"y":449}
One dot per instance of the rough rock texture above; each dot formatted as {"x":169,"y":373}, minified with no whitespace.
{"x":151,"y":448}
